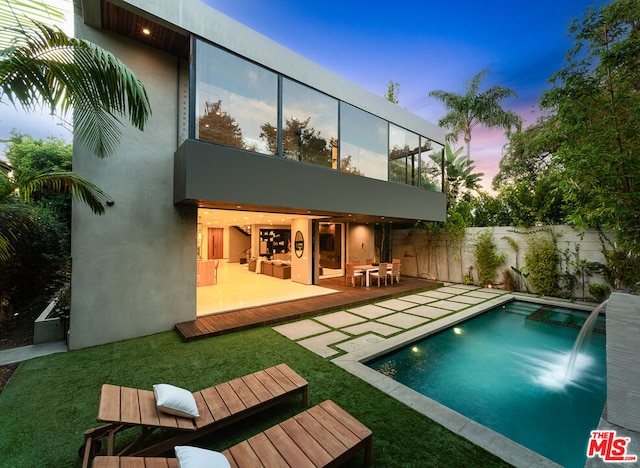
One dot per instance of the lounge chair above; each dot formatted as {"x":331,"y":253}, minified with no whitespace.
{"x":123,"y":408}
{"x":324,"y":435}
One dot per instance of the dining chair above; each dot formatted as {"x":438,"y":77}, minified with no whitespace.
{"x":394,"y":273}
{"x":368,"y":261}
{"x":355,"y":262}
{"x":351,"y":273}
{"x":380,"y":274}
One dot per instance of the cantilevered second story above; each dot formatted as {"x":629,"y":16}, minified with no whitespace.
{"x":277,"y":131}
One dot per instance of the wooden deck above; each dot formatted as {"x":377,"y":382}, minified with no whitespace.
{"x":349,"y":296}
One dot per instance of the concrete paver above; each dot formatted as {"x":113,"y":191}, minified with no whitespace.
{"x":467,"y":299}
{"x":403,"y":320}
{"x":340,"y":319}
{"x":301,"y":329}
{"x":436,"y":294}
{"x":396,"y":304}
{"x":360,"y":342}
{"x":419,"y":299}
{"x":375,"y":327}
{"x":371,"y":311}
{"x":428,"y":311}
{"x":457,"y":289}
{"x":449,"y":305}
{"x":320,"y":344}
{"x":483,"y":294}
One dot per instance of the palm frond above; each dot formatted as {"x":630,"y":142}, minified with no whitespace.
{"x":15,"y":220}
{"x":13,"y":14}
{"x":66,"y":182}
{"x":65,"y":72}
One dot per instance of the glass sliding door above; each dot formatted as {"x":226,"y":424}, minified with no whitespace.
{"x":331,"y":249}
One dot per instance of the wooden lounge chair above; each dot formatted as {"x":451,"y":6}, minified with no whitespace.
{"x":122,"y":408}
{"x":322,"y":436}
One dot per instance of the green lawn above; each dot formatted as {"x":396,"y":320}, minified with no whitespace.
{"x":51,"y":401}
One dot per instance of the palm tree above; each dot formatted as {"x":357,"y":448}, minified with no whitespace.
{"x":473,"y":108}
{"x":459,"y":173}
{"x":16,"y":215}
{"x":41,"y":66}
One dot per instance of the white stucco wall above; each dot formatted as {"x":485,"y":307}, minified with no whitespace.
{"x":435,"y":258}
{"x":360,"y":242}
{"x":134,"y":267}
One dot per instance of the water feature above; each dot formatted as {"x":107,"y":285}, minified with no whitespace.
{"x":508,"y":373}
{"x":585,"y":332}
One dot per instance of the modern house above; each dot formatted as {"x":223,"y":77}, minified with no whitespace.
{"x":252,"y":151}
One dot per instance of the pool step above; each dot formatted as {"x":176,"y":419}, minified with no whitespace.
{"x":522,"y":308}
{"x":546,"y":314}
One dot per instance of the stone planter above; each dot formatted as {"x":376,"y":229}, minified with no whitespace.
{"x":47,"y":328}
{"x":623,"y":360}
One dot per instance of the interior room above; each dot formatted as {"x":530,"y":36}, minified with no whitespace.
{"x":244,"y":258}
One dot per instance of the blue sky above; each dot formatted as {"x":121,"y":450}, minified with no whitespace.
{"x":422,"y":45}
{"x":427,"y":45}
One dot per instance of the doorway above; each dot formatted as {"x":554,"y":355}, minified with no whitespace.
{"x":331,"y":250}
{"x":215,"y":244}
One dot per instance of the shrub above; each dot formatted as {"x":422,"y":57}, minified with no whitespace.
{"x":509,"y":280}
{"x":39,"y":260}
{"x":599,"y":291}
{"x":487,"y":260}
{"x":542,"y":260}
{"x":622,"y":269}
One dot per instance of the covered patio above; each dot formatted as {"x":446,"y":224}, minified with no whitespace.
{"x":345,"y":296}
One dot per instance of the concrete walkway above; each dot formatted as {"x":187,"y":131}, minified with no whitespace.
{"x":353,"y":328}
{"x":13,"y":355}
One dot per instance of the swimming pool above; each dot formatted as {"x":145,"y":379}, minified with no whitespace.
{"x":506,"y":369}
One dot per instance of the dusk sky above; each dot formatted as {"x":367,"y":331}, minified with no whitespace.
{"x":425,"y":46}
{"x":422,"y":45}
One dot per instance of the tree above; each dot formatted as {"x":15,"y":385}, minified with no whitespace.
{"x":300,"y":141}
{"x":220,"y":127}
{"x":41,"y":66}
{"x":393,"y":89}
{"x":17,"y":191}
{"x":528,"y":155}
{"x":460,"y":177}
{"x":595,"y":100}
{"x":29,"y":156}
{"x":475,"y":108}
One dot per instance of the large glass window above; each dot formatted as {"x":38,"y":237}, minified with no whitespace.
{"x":363,"y":143}
{"x":431,"y":165}
{"x":404,"y":156}
{"x":235,"y":100}
{"x":309,"y":125}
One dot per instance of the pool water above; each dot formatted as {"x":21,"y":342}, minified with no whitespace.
{"x":510,"y":375}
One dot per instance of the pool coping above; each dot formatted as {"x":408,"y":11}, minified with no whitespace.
{"x":495,"y":443}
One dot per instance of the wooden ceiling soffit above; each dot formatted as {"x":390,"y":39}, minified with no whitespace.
{"x":132,"y":25}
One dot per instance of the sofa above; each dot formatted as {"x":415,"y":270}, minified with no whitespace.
{"x":279,"y":267}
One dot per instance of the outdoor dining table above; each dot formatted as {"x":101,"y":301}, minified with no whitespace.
{"x":367,"y":269}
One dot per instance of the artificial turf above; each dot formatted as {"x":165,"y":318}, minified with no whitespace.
{"x":50,"y":401}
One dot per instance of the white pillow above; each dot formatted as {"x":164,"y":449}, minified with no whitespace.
{"x":175,"y":400}
{"x":194,"y":457}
